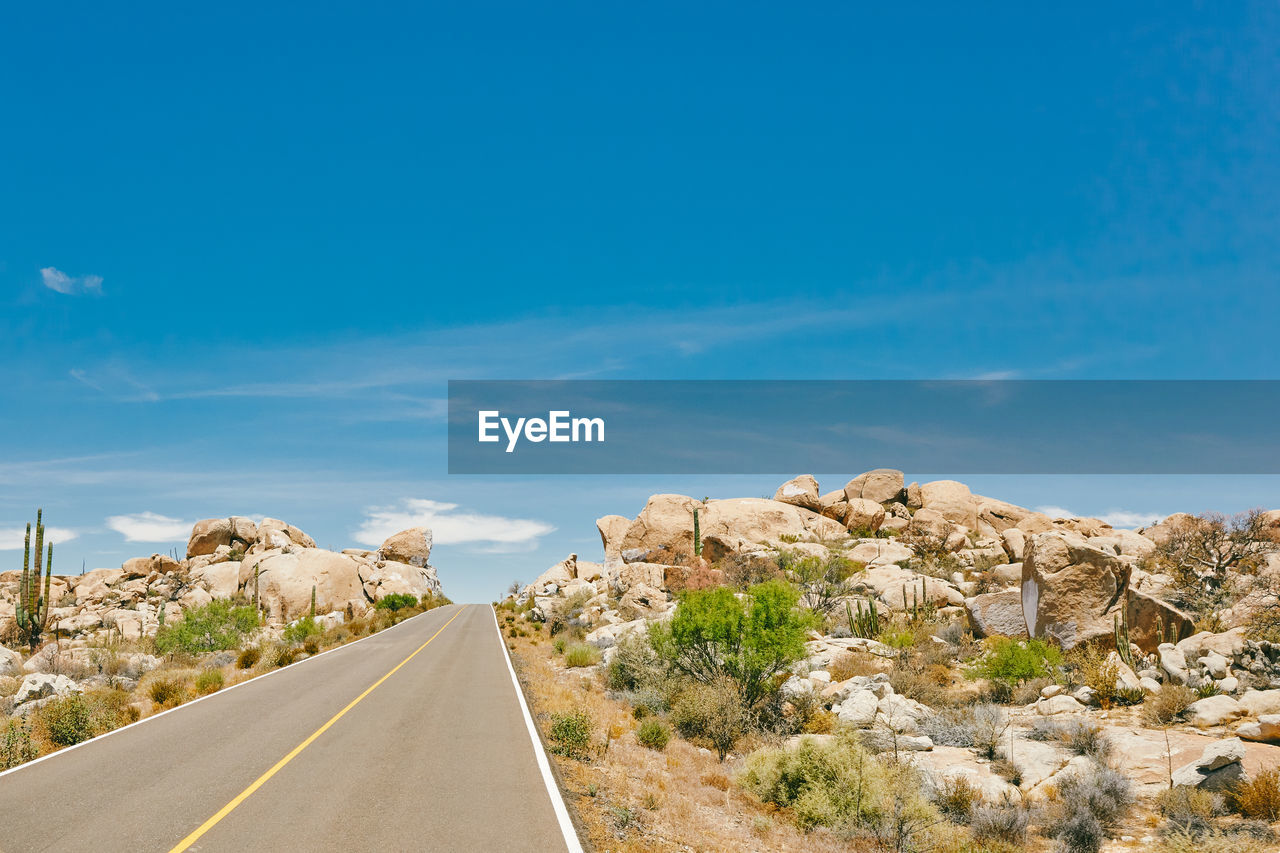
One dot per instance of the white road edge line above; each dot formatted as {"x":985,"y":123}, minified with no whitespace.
{"x":222,"y":692}
{"x":553,"y":790}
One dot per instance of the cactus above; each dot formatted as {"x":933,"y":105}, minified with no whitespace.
{"x":257,"y":602}
{"x":919,"y":608}
{"x":1122,"y":638}
{"x":313,"y":601}
{"x":160,"y":615}
{"x":697,"y":535}
{"x":865,"y":624}
{"x":31,"y":610}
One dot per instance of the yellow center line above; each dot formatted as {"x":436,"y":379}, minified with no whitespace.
{"x":186,"y":843}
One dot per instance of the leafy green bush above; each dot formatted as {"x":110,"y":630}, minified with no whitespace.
{"x":571,"y":734}
{"x":396,"y":601}
{"x":303,"y":629}
{"x":1012,"y":662}
{"x":653,"y":733}
{"x":216,"y":626}
{"x":750,"y":640}
{"x":580,"y":654}
{"x":838,"y":784}
{"x":209,"y":681}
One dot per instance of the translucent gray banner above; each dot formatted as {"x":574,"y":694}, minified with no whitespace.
{"x":785,"y":427}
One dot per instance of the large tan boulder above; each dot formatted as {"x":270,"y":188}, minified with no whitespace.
{"x":999,"y":515}
{"x":800,"y":491}
{"x":1149,"y":620}
{"x":997,"y":614}
{"x":953,"y":501}
{"x":558,"y":576}
{"x":901,"y":589}
{"x":208,"y":535}
{"x":882,"y":485}
{"x":412,"y":546}
{"x":285,"y":580}
{"x":274,"y":533}
{"x":1071,"y":591}
{"x":834,"y":505}
{"x":95,"y":585}
{"x":663,"y":531}
{"x":863,"y":516}
{"x":613,"y":529}
{"x":387,"y":577}
{"x":220,"y":579}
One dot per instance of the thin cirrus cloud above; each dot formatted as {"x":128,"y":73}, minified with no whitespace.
{"x":57,"y":280}
{"x":12,"y":538}
{"x":150,"y":527}
{"x":493,"y":533}
{"x":1119,"y":518}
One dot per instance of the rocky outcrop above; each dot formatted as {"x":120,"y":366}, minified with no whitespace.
{"x":800,"y":491}
{"x":883,"y":485}
{"x":411,"y":547}
{"x":1072,"y":592}
{"x":1219,"y":767}
{"x":997,"y":614}
{"x":213,"y":533}
{"x":613,"y":529}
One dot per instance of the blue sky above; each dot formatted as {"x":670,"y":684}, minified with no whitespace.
{"x":242,"y":249}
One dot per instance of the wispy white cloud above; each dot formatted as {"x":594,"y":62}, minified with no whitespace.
{"x":150,"y":527}
{"x":11,"y":538}
{"x":56,"y":279}
{"x":493,"y":533}
{"x":1119,"y":518}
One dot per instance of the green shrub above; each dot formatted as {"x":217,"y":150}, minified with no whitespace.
{"x":839,"y":785}
{"x":216,"y":626}
{"x":710,"y":713}
{"x":571,"y":734}
{"x":654,"y":734}
{"x":249,"y":658}
{"x":302,"y":630}
{"x":559,"y":646}
{"x":634,"y":665}
{"x":1012,"y":662}
{"x":209,"y":681}
{"x":67,"y":721}
{"x":580,"y":654}
{"x":396,"y":601}
{"x":16,"y":745}
{"x":715,"y":634}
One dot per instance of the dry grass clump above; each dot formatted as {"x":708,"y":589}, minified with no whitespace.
{"x":170,"y":690}
{"x":1164,"y":706}
{"x":209,"y":681}
{"x":1258,"y":797}
{"x":249,"y":657}
{"x":581,"y":654}
{"x":852,"y":664}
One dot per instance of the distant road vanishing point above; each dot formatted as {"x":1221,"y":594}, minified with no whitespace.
{"x":415,"y":738}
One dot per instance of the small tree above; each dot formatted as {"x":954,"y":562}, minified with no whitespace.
{"x":824,"y":583}
{"x":749,"y":639}
{"x":1203,"y":552}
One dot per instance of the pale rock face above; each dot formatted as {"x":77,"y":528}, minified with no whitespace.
{"x":800,"y":491}
{"x":41,"y":685}
{"x":1060,"y":704}
{"x":588,"y":571}
{"x":285,"y":580}
{"x":1266,"y":729}
{"x":221,"y":579}
{"x":1226,"y":645}
{"x":1070,"y":590}
{"x":1258,"y":703}
{"x":863,"y":515}
{"x":999,"y":516}
{"x":1126,"y":678}
{"x":558,"y":575}
{"x":741,"y":525}
{"x":1173,"y":662}
{"x":859,"y":709}
{"x":889,"y":581}
{"x":834,"y":505}
{"x":997,"y":614}
{"x":953,"y":500}
{"x":882,"y":485}
{"x":274,"y":533}
{"x":1014,"y":543}
{"x":644,"y":600}
{"x":93,"y":586}
{"x":931,"y":521}
{"x":412,"y":547}
{"x":1217,"y":768}
{"x":388,"y":577}
{"x":879,"y":552}
{"x":1213,"y":711}
{"x":646,"y":574}
{"x":208,"y":535}
{"x":613,"y":529}
{"x":10,"y":662}
{"x":608,"y":635}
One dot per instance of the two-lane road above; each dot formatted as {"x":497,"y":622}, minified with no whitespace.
{"x":412,"y":739}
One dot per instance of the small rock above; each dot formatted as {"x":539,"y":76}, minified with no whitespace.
{"x":1267,"y":728}
{"x":42,"y":685}
{"x":1058,"y":705}
{"x":1217,"y":767}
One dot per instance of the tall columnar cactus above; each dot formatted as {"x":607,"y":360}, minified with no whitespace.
{"x":697,"y":534}
{"x":31,"y":610}
{"x":866,"y":623}
{"x":1122,"y":638}
{"x":313,"y":601}
{"x":257,"y":602}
